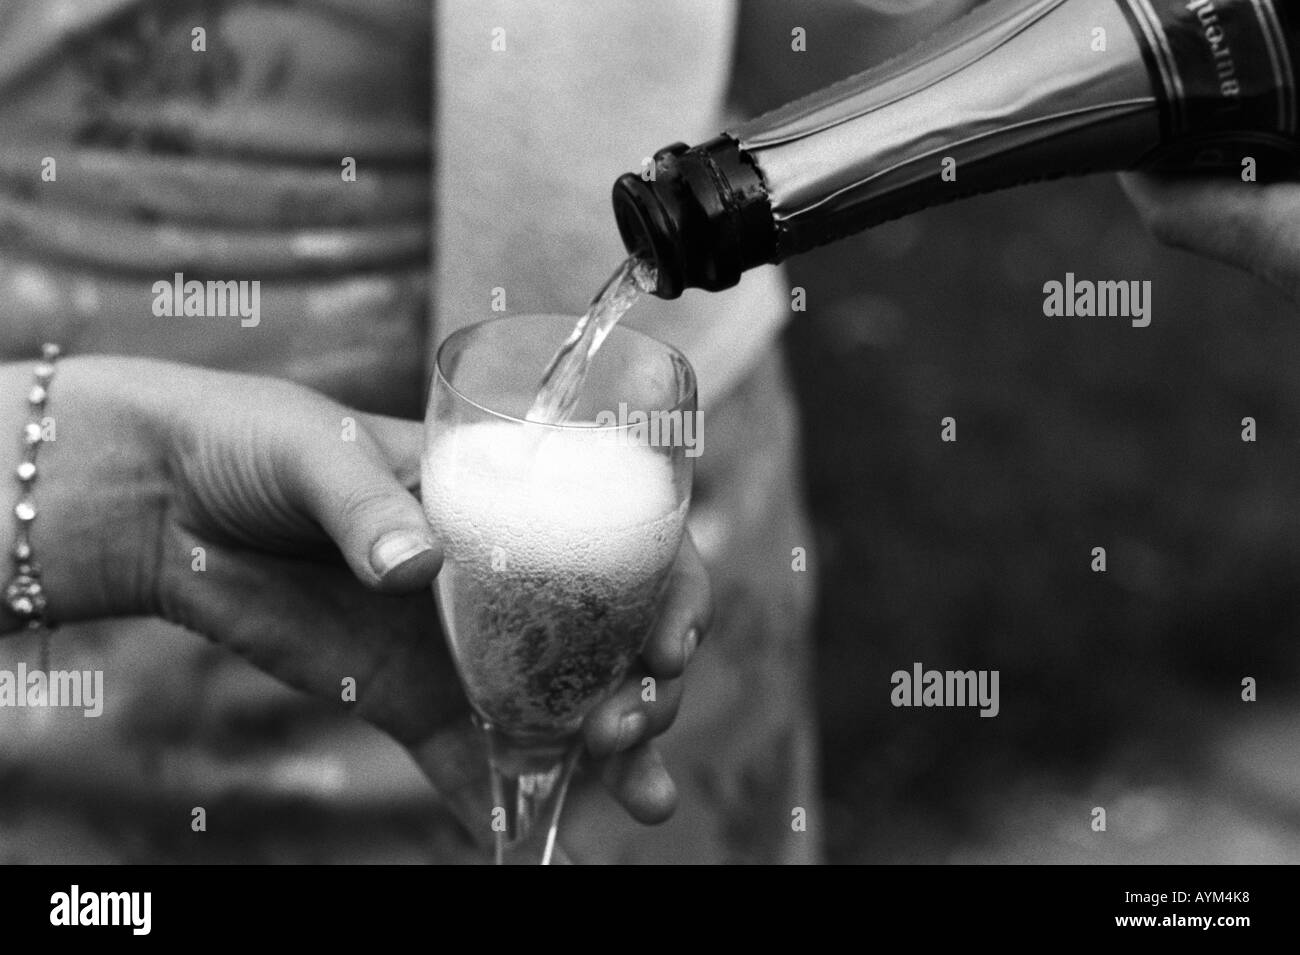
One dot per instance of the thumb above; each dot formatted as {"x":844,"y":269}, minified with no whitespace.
{"x":1255,"y":227}
{"x":353,"y":492}
{"x":400,"y":443}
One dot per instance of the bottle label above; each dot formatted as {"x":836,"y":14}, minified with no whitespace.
{"x":1222,"y":65}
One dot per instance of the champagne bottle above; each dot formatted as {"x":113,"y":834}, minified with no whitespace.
{"x":1015,"y":91}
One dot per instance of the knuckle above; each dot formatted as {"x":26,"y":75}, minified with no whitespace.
{"x":358,"y":505}
{"x":1164,"y":225}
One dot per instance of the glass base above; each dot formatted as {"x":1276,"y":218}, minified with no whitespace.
{"x":529,"y":783}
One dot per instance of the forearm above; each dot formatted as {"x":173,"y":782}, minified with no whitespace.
{"x":100,"y":490}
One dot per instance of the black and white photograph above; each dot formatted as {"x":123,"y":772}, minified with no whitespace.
{"x":651,"y":432}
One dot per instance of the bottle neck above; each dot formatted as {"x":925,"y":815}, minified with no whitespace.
{"x":1015,"y":91}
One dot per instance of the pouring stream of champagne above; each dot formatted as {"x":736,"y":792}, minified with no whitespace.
{"x":562,"y":383}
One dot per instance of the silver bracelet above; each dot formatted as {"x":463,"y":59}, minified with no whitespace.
{"x":25,"y":593}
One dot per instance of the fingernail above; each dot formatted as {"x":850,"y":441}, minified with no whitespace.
{"x":690,"y":640}
{"x":630,"y":728}
{"x":393,"y":550}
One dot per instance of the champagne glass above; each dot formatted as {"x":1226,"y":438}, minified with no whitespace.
{"x":558,"y":540}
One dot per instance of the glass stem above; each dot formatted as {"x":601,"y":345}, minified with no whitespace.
{"x":529,"y":783}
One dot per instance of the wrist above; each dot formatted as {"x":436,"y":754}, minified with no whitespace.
{"x":100,"y":490}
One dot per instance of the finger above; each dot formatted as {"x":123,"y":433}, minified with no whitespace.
{"x":455,"y":759}
{"x":1254,"y":227}
{"x":349,"y":489}
{"x":377,"y":656}
{"x":401,"y":442}
{"x":628,"y":718}
{"x":639,"y":780}
{"x":684,"y":618}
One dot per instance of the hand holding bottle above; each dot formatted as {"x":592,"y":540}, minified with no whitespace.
{"x":1253,"y":226}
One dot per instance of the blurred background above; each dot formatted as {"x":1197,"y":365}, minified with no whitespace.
{"x":1119,"y":690}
